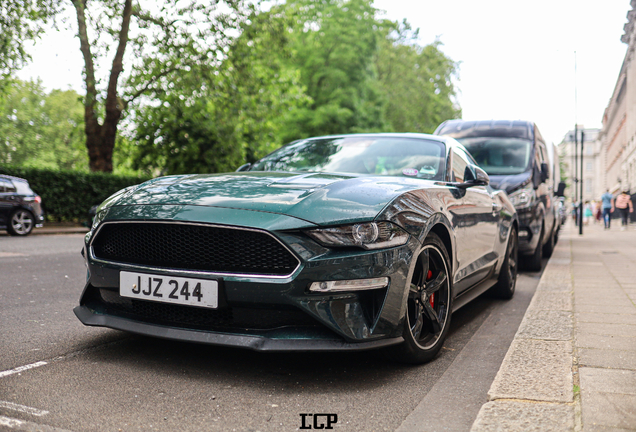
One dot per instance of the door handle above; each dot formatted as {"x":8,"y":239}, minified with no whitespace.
{"x":496,"y":207}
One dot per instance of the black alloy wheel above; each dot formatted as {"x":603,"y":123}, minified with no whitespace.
{"x":21,"y":223}
{"x":505,"y":287}
{"x":428,"y":305}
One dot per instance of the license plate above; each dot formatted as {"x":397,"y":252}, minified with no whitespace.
{"x":169,"y":289}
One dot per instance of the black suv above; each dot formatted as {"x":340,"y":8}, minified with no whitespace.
{"x":20,"y":207}
{"x":519,"y":161}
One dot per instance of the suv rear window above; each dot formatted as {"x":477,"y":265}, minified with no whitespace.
{"x":23,"y":187}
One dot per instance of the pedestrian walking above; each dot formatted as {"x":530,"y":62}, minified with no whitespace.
{"x":597,"y":212}
{"x":607,"y":207}
{"x":587,"y":213}
{"x":623,"y":203}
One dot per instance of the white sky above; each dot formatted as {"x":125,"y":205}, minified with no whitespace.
{"x":517,"y":57}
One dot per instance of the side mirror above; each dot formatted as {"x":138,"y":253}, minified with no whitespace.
{"x":482,"y":177}
{"x":561,"y":190}
{"x":545,"y":172}
{"x":474,"y":176}
{"x":244,"y":167}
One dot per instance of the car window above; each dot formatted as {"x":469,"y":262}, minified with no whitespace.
{"x":390,"y":156}
{"x":543,"y":153}
{"x":500,"y":156}
{"x":22,"y":187}
{"x":459,"y":165}
{"x":6,"y":186}
{"x":467,"y":156}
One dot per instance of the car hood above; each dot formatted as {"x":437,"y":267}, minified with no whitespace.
{"x":318,"y":198}
{"x":509,"y":183}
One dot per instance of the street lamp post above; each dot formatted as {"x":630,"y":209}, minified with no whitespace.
{"x":576,"y":180}
{"x":581,"y":184}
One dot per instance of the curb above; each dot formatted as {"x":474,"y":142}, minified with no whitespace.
{"x":60,"y":228}
{"x":534,"y":389}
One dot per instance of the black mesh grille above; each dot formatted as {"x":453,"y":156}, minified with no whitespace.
{"x":201,"y":318}
{"x":193,"y":247}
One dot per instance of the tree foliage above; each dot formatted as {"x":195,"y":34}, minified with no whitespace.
{"x":204,"y":86}
{"x":21,"y":22}
{"x":335,"y":42}
{"x":157,"y":42}
{"x":416,"y":81}
{"x":40,"y":129}
{"x":235,"y":113}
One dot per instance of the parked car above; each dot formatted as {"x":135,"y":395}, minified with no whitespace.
{"x":516,"y":158}
{"x":20,"y":207}
{"x":347,"y":242}
{"x":562,"y":210}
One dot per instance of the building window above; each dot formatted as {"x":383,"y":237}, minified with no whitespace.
{"x":588,"y":186}
{"x":589,"y":166}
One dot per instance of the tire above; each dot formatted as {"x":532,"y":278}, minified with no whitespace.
{"x":428,"y":305}
{"x":505,"y":287}
{"x":533,"y":262}
{"x":21,"y":223}
{"x":548,"y":248}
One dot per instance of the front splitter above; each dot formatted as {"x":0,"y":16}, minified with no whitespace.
{"x":256,"y":343}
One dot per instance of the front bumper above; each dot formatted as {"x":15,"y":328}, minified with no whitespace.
{"x":270,"y":314}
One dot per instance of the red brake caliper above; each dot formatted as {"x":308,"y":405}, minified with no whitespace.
{"x":431,"y":299}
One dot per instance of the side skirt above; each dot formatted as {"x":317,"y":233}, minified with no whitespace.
{"x":467,"y":296}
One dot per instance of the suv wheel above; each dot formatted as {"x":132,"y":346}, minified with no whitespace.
{"x":21,"y":223}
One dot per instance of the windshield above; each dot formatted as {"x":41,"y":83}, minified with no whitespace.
{"x":390,"y":156}
{"x":500,"y":156}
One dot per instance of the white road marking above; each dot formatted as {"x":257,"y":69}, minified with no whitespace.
{"x":11,"y":254}
{"x":27,"y":426}
{"x":22,"y":368}
{"x":9,"y":422}
{"x":60,"y":358}
{"x":23,"y":408}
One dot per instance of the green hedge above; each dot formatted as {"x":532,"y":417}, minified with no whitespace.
{"x":68,"y":195}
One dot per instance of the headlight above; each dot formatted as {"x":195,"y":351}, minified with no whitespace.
{"x":371,"y":235}
{"x":523,"y":197}
{"x":99,"y":217}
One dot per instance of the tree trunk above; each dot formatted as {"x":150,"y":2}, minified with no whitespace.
{"x":100,"y":145}
{"x":100,"y":139}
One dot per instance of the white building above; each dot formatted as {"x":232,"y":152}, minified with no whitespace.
{"x":593,"y":172}
{"x":618,"y":135}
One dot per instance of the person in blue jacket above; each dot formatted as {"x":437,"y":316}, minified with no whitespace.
{"x":606,"y":207}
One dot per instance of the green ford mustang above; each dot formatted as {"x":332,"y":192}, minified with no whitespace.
{"x":347,"y":242}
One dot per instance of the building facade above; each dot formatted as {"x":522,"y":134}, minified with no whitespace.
{"x":593,"y":167}
{"x":618,"y":135}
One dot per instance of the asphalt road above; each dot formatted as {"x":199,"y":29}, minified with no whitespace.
{"x":57,"y":375}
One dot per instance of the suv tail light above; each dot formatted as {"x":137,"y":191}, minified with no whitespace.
{"x":38,"y":199}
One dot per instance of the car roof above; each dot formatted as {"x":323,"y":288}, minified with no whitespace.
{"x":487,"y":128}
{"x":8,"y":177}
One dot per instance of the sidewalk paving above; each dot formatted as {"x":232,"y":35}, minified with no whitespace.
{"x":572,"y":364}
